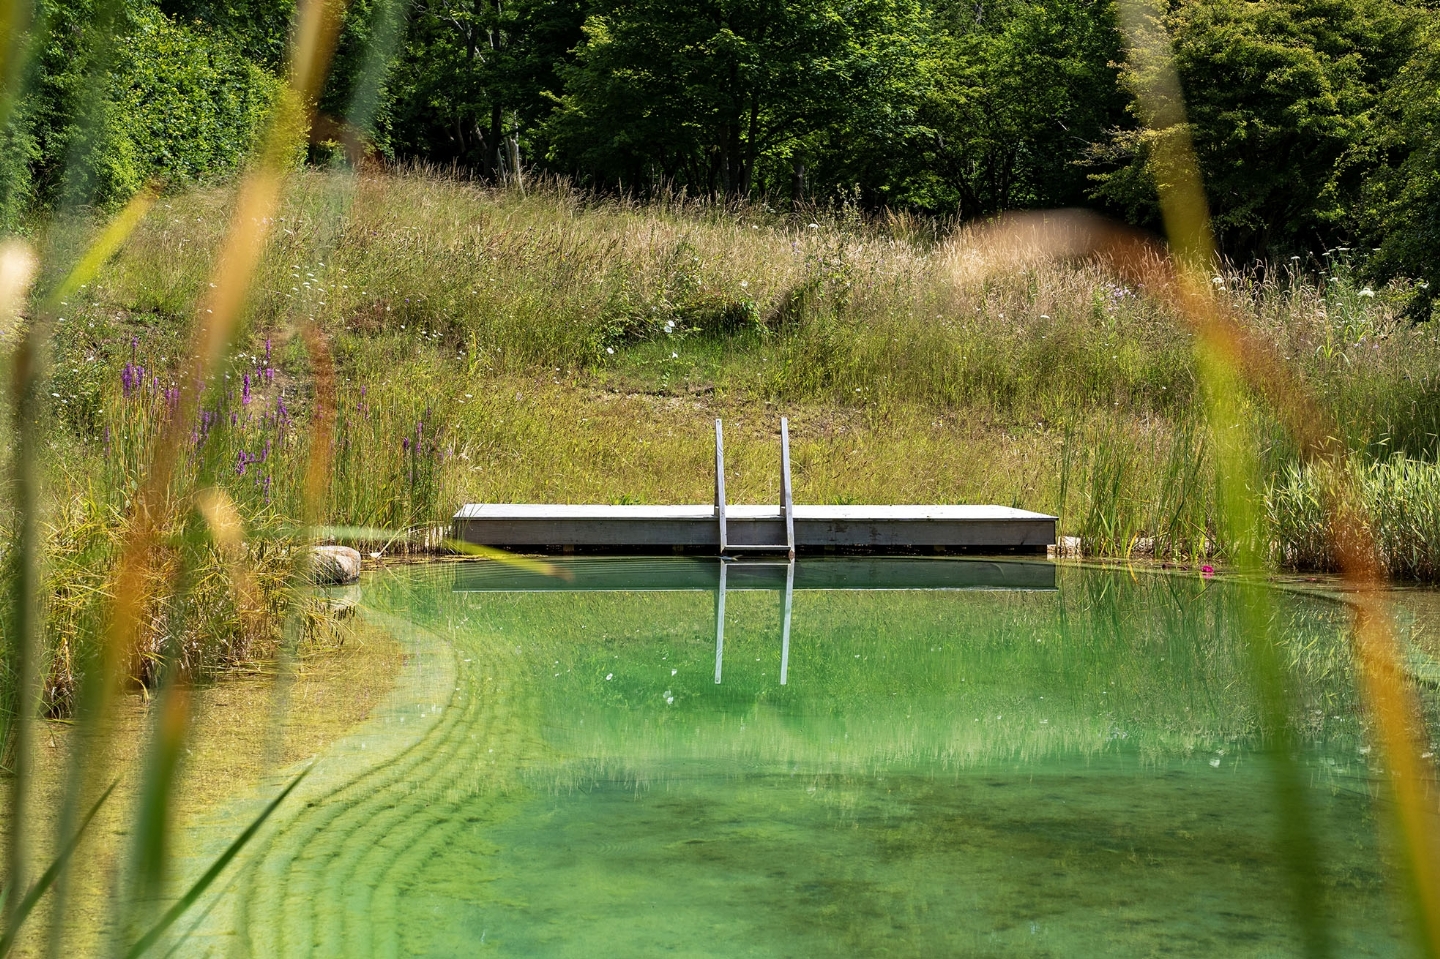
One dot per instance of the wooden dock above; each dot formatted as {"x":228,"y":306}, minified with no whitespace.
{"x":731,"y":529}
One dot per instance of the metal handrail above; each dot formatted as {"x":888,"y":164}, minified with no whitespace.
{"x":787,"y":505}
{"x":720,"y":482}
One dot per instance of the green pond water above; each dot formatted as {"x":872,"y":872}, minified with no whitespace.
{"x":964,"y":758}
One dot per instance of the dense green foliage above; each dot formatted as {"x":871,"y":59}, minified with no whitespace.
{"x":1016,"y":94}
{"x":1401,"y":193}
{"x":1281,"y":96}
{"x":182,"y":107}
{"x":710,"y":95}
{"x":1315,"y":121}
{"x":124,"y":97}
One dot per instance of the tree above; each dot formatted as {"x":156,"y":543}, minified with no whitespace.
{"x":703,"y":93}
{"x":183,"y":107}
{"x":1017,"y":92}
{"x":1277,"y":92}
{"x":1399,"y":207}
{"x":256,"y":29}
{"x":446,"y":108}
{"x":475,"y":74}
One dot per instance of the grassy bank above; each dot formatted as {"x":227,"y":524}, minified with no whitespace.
{"x":493,"y":345}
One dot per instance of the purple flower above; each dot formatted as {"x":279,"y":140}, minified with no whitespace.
{"x":132,"y":379}
{"x":240,"y":463}
{"x":267,"y":351}
{"x":245,"y":391}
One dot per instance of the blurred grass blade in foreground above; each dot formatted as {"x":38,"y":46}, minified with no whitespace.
{"x":1224,"y":355}
{"x":510,"y":559}
{"x":218,"y":866}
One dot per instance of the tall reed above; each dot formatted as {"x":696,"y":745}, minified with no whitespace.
{"x":170,"y":532}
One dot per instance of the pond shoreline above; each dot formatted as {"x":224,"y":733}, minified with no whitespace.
{"x":232,"y":742}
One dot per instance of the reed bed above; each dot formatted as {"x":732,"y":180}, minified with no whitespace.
{"x":1399,"y":501}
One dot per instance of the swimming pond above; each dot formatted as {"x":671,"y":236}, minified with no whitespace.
{"x":843,"y":757}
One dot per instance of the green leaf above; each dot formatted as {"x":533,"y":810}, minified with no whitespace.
{"x":203,"y":883}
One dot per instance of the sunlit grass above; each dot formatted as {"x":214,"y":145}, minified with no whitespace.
{"x":552,"y":346}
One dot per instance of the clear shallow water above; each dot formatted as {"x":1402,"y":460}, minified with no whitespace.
{"x":1031,"y":761}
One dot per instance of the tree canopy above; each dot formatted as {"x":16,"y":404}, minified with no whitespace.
{"x":1315,"y":121}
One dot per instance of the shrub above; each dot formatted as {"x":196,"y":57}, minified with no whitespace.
{"x":184,"y":107}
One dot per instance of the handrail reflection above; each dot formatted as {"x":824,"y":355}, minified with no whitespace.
{"x":789,"y":605}
{"x":652,"y":574}
{"x":720,"y":622}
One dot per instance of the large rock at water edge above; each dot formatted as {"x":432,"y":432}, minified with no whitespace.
{"x":335,"y":565}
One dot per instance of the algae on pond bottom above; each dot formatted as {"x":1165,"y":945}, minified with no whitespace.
{"x":1072,"y":771}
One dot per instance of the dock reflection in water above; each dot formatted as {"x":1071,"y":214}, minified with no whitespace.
{"x":723,"y":576}
{"x":843,"y":757}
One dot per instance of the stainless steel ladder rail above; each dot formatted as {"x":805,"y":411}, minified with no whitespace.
{"x":720,"y":486}
{"x":787,"y":501}
{"x":787,"y":504}
{"x":787,"y":611}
